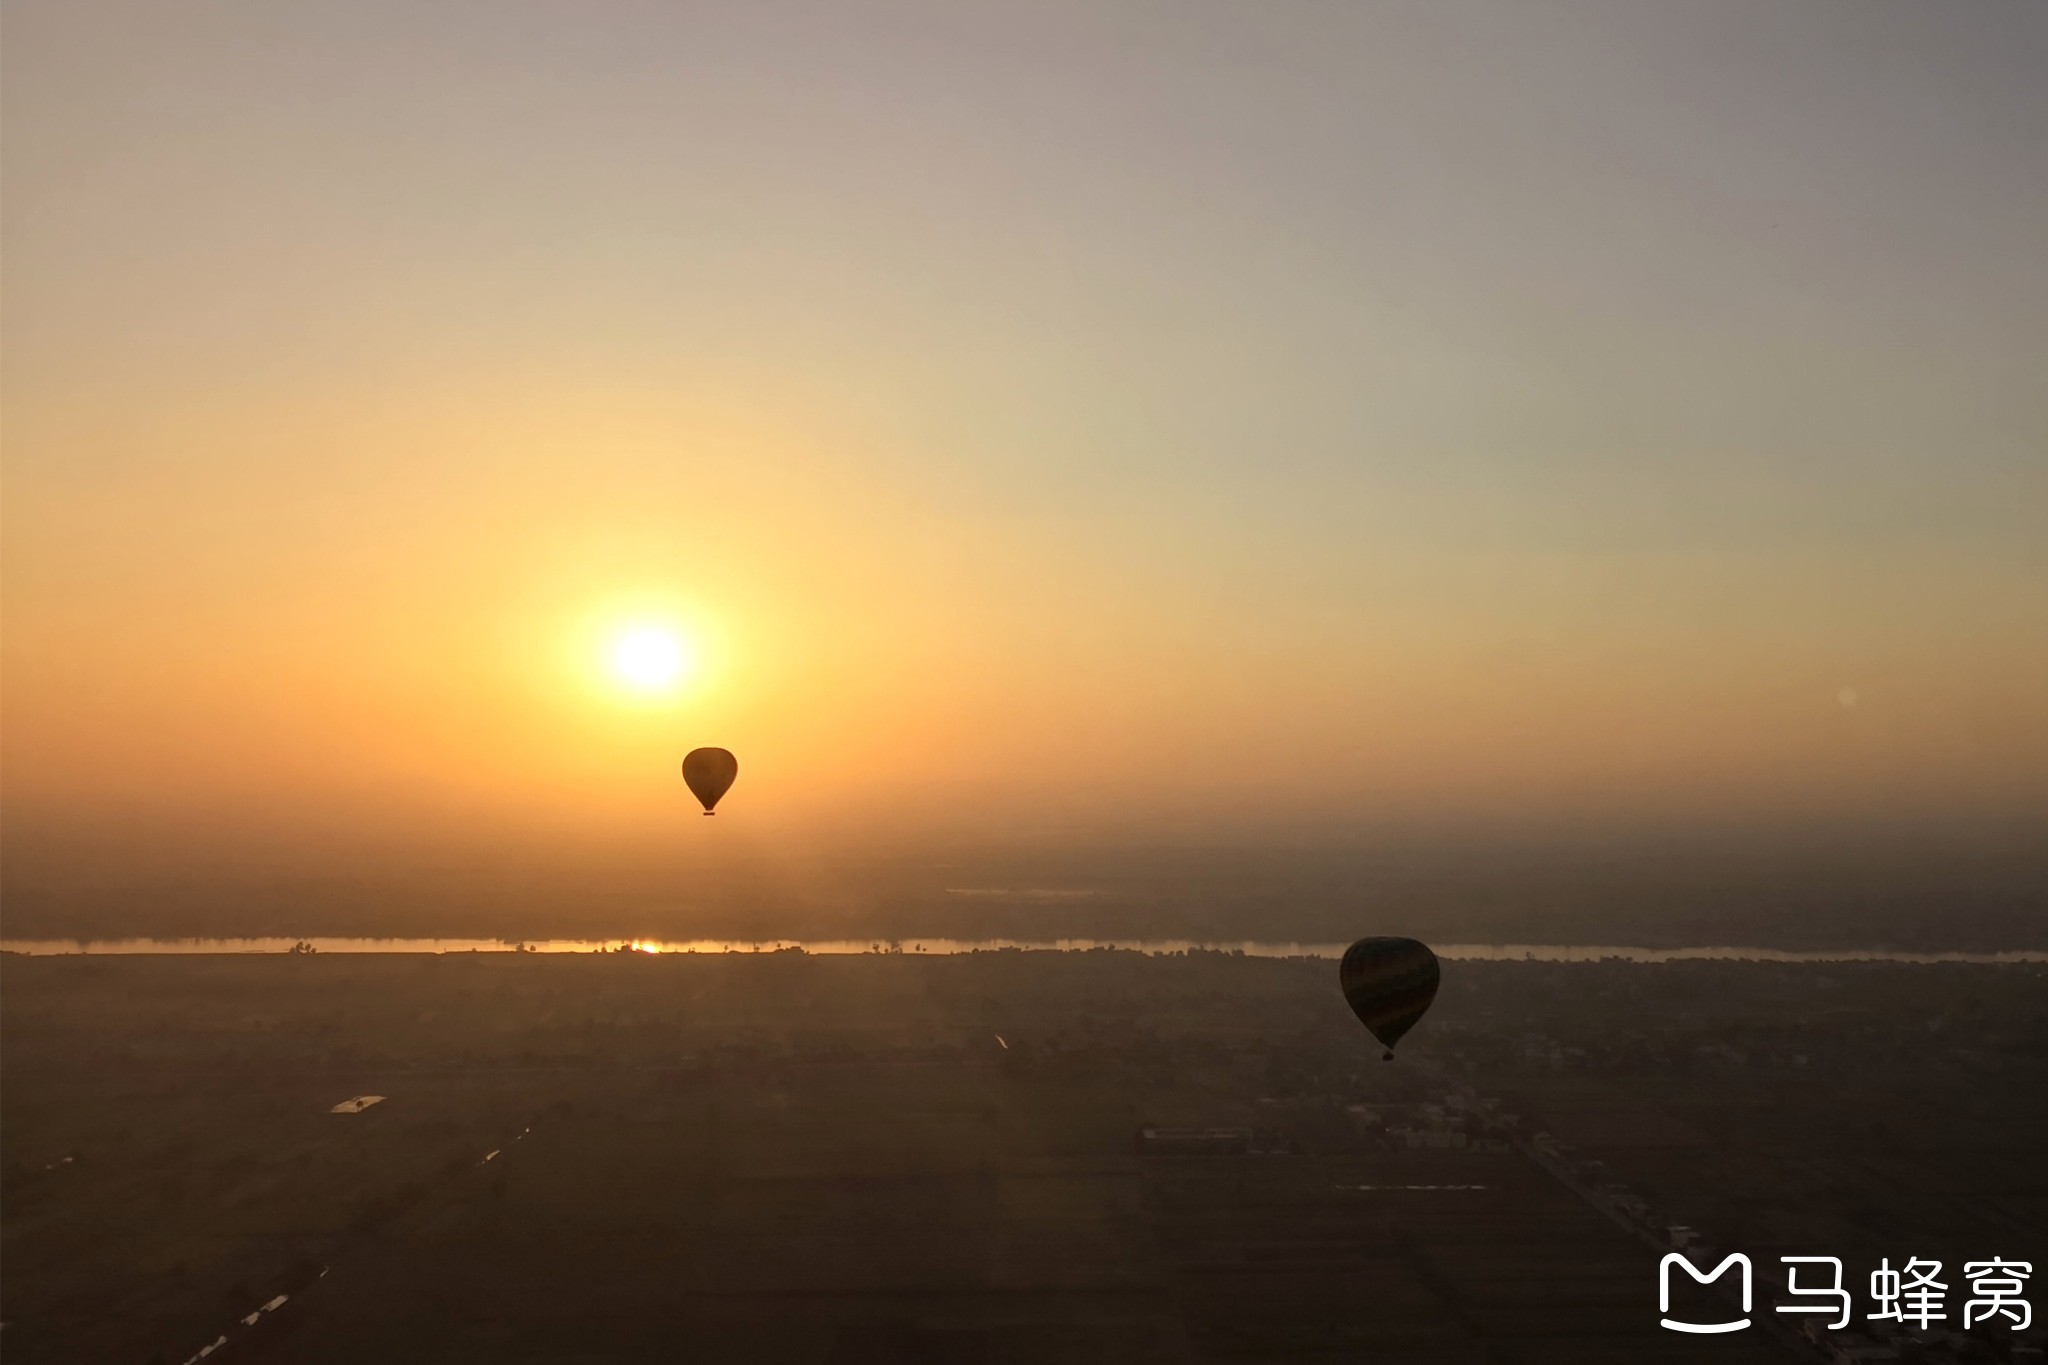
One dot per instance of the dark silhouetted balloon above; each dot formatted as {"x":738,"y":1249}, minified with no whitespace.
{"x":1389,"y":983}
{"x":709,"y":773}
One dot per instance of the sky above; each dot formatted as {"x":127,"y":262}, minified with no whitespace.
{"x":1053,"y":421}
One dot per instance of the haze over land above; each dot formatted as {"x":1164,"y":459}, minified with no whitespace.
{"x":902,"y":1158}
{"x":1541,"y":471}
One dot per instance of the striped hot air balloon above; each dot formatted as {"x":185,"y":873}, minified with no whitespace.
{"x":1388,"y":983}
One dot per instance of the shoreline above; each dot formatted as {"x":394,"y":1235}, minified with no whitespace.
{"x":940,"y":947}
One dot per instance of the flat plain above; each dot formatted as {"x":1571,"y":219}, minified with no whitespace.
{"x":906,"y":1157}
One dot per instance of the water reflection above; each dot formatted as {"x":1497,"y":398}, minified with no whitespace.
{"x":1471,"y":952}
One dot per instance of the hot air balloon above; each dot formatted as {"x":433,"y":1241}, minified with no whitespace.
{"x":709,"y":773}
{"x":1388,"y":983}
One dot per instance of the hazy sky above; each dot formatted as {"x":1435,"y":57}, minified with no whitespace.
{"x":1240,"y":413}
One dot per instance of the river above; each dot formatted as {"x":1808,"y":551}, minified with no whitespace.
{"x":1461,"y":952}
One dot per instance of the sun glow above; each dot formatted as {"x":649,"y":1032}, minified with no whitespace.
{"x":648,"y":658}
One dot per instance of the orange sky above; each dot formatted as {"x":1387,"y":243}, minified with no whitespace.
{"x":1023,"y":426}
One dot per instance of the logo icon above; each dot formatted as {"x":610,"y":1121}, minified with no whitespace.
{"x":1664,"y":1292}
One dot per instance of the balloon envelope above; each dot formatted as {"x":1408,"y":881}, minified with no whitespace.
{"x":1388,"y":983}
{"x":709,"y":772}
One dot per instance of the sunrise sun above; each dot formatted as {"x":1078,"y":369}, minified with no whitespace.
{"x":648,"y":658}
